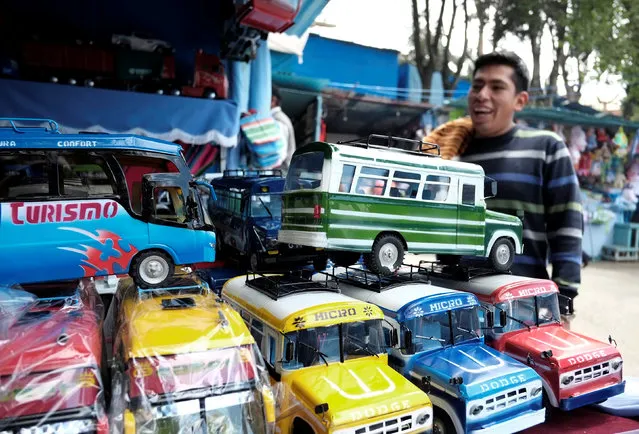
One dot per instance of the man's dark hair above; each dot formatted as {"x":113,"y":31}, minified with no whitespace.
{"x":520,"y":77}
{"x":275,"y":91}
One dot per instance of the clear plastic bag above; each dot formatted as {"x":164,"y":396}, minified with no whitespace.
{"x":51,"y":359}
{"x":184,"y":362}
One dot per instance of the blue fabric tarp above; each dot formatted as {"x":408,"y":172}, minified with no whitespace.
{"x":171,"y":118}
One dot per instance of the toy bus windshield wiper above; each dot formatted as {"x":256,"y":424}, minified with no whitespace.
{"x":361,"y":344}
{"x":431,"y":338}
{"x":316,"y":351}
{"x":469,"y":331}
{"x":513,"y":318}
{"x":265,"y":207}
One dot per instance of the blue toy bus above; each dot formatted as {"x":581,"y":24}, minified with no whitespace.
{"x":84,"y":205}
{"x":436,"y":340}
{"x":248,"y":215}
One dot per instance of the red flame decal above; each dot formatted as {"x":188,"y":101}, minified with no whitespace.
{"x":112,"y":255}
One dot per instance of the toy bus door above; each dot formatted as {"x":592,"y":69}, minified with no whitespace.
{"x":470,"y":218}
{"x":165,"y":206}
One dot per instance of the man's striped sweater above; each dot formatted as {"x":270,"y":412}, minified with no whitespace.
{"x":534,"y":174}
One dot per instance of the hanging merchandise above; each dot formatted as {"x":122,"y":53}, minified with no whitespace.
{"x":591,"y":140}
{"x":264,"y":140}
{"x":621,"y":142}
{"x":577,"y":145}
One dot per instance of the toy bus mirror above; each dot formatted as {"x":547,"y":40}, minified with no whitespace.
{"x":148,"y":187}
{"x":408,"y":342}
{"x":502,"y":318}
{"x":289,"y":354}
{"x":394,"y":339}
{"x":490,"y":319}
{"x":490,"y":188}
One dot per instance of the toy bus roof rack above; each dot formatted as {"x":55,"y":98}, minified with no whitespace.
{"x":293,"y":282}
{"x":185,"y":285}
{"x":53,"y":125}
{"x":422,"y":152}
{"x":376,"y":282}
{"x":455,"y":272}
{"x":251,"y":173}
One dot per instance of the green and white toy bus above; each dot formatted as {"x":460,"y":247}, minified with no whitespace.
{"x":352,"y":198}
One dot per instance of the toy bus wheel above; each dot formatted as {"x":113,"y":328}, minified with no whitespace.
{"x":442,"y":423}
{"x":502,"y":255}
{"x":151,"y":269}
{"x":386,"y":256}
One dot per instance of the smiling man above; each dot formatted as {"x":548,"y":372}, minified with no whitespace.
{"x":532,"y":167}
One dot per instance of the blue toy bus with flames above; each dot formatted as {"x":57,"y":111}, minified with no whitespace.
{"x":85,"y":205}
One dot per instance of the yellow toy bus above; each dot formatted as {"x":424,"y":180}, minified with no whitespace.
{"x":326,"y":355}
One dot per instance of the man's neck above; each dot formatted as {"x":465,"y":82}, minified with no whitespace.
{"x":502,"y":133}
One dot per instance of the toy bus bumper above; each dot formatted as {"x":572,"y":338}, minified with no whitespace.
{"x":303,"y":238}
{"x":519,"y":423}
{"x":592,"y":397}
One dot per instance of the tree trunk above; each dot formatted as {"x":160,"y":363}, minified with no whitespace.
{"x":535,"y":46}
{"x":480,"y":42}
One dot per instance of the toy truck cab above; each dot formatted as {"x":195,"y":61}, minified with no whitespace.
{"x":440,"y":347}
{"x":353,"y":198}
{"x":248,"y":215}
{"x":185,"y":362}
{"x":326,"y":358}
{"x":51,"y":360}
{"x":576,"y":370}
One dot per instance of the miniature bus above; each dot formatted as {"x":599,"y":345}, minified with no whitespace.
{"x":326,"y":357}
{"x":576,"y":370}
{"x":353,"y":198}
{"x":92,"y":205}
{"x":185,"y":362}
{"x":440,"y":346}
{"x":247,"y":216}
{"x":51,"y":361}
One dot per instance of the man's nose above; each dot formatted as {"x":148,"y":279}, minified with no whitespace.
{"x":483,"y":93}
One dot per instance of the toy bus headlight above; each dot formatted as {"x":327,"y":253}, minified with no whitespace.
{"x":567,"y":379}
{"x":476,"y":409}
{"x":422,"y":418}
{"x":536,"y":391}
{"x":615,"y":364}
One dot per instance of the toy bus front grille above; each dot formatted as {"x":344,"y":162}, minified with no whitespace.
{"x":389,"y":426}
{"x":507,"y":399}
{"x":592,"y":372}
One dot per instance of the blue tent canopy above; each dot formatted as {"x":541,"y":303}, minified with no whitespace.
{"x":171,"y":118}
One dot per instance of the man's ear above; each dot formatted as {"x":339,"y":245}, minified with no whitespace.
{"x":521,"y":100}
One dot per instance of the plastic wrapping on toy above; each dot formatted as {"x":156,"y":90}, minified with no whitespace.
{"x":184,"y":361}
{"x":51,"y":359}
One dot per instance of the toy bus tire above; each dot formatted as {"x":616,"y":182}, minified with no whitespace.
{"x":162,"y":259}
{"x":301,"y":427}
{"x":392,"y":248}
{"x":498,"y":258}
{"x":442,"y":423}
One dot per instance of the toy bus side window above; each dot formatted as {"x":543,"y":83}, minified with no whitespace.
{"x":372,"y":181}
{"x":169,"y":204}
{"x":348,"y":174}
{"x":84,"y":175}
{"x":24,"y":174}
{"x":257,"y":330}
{"x":468,"y":194}
{"x":405,"y":184}
{"x":436,"y":188}
{"x":134,"y":168}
